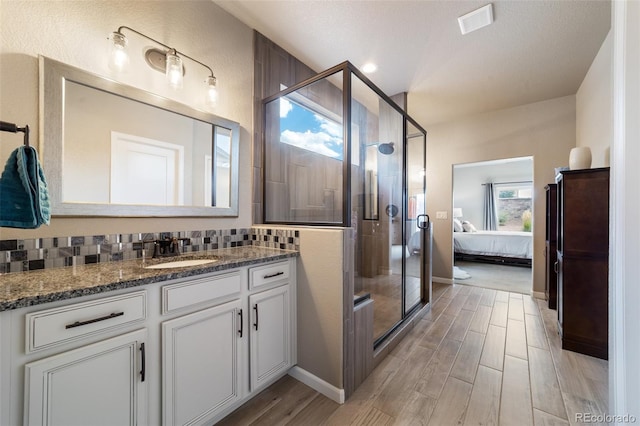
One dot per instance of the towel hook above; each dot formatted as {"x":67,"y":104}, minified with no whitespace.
{"x":13,"y":128}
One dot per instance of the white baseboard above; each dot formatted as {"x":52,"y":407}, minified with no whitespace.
{"x":442,"y":280}
{"x":316,"y":383}
{"x":539,"y":295}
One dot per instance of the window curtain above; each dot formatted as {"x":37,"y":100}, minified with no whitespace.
{"x":490,"y":216}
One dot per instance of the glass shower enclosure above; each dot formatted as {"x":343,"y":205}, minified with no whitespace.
{"x":340,"y":152}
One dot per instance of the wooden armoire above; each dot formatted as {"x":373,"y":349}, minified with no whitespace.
{"x":583,"y":260}
{"x":551,"y":246}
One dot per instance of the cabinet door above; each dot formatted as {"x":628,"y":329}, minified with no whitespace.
{"x":270,"y":334}
{"x":98,"y":384}
{"x":200,"y":364}
{"x":550,"y":274}
{"x":585,"y":305}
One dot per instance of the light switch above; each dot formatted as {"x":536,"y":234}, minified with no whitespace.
{"x":441,"y":215}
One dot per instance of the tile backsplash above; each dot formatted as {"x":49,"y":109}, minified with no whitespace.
{"x":56,"y":252}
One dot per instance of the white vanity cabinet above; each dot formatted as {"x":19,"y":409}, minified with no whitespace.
{"x":234,"y":338}
{"x":201,"y":364}
{"x":76,"y":363}
{"x":270,"y":330}
{"x":270,"y":335}
{"x":187,"y":351}
{"x":99,"y":384}
{"x":202,"y":351}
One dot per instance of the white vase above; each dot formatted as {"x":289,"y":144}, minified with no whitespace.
{"x":580,"y":158}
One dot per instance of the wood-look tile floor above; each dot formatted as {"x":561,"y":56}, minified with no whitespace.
{"x":386,"y":293}
{"x":479,"y":357}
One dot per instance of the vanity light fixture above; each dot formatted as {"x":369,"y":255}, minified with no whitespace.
{"x":168,"y":61}
{"x":212,"y":90}
{"x":174,"y":69}
{"x":118,"y":56}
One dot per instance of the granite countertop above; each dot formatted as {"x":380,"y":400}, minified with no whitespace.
{"x":22,"y":289}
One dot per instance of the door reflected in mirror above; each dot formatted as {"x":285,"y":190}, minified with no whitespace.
{"x":222,"y":180}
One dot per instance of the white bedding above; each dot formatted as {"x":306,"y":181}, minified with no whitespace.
{"x":494,"y":243}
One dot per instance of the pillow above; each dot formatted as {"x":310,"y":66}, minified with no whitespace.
{"x":457,"y":226}
{"x":468,"y":227}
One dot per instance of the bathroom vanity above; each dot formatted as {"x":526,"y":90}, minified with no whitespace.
{"x":128,"y":344}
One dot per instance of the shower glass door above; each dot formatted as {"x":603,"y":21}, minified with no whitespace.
{"x":339,"y":152}
{"x":379,"y":208}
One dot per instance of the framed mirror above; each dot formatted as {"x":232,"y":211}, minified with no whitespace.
{"x":114,"y":150}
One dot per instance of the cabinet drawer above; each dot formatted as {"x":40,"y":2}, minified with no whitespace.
{"x":61,"y":325}
{"x":262,"y":276}
{"x":200,"y":291}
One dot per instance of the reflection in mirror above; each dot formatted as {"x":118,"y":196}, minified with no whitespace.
{"x":222,"y":183}
{"x":371,"y":182}
{"x":113,"y":150}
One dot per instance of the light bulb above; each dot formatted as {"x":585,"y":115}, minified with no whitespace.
{"x":369,"y":68}
{"x":118,"y":56}
{"x":212,"y":91}
{"x":174,"y":70}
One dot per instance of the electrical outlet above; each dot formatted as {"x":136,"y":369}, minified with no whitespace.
{"x":441,"y":215}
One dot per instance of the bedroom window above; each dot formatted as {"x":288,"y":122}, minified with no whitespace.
{"x":515,"y":193}
{"x":515,"y":207}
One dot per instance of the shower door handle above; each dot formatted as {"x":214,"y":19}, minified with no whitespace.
{"x":424,"y":224}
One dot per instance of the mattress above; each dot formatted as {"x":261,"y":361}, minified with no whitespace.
{"x":494,"y":243}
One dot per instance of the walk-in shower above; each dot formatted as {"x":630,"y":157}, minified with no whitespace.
{"x":339,"y":152}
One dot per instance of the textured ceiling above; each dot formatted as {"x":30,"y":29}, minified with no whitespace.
{"x":534,"y":50}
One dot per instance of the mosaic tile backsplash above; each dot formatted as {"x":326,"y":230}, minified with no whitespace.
{"x":57,"y":252}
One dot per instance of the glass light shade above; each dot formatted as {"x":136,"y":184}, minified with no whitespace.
{"x":212,"y":91}
{"x":174,"y":70}
{"x":118,"y":56}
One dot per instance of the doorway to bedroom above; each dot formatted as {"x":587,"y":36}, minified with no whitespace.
{"x":493,"y":224}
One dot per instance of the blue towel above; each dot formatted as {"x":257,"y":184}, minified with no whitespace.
{"x":24,"y":198}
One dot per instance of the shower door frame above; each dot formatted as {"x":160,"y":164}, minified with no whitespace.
{"x":348,"y":70}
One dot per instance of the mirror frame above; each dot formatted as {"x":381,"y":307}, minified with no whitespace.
{"x":53,"y":75}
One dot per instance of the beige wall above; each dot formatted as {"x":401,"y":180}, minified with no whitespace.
{"x":320,"y":304}
{"x":544,"y":130}
{"x":75,"y":32}
{"x":594,"y":114}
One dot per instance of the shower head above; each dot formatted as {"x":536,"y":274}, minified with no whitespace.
{"x":386,"y":148}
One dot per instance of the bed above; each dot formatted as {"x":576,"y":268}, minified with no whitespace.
{"x":507,"y":247}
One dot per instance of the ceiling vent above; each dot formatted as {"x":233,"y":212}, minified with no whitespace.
{"x":477,"y":19}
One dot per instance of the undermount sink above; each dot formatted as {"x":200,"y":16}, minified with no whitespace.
{"x":181,"y":263}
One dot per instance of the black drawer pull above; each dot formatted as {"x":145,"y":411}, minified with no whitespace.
{"x":273,"y":275}
{"x":241,"y":323}
{"x":143,"y":356}
{"x":255,"y":308}
{"x":91,"y":321}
